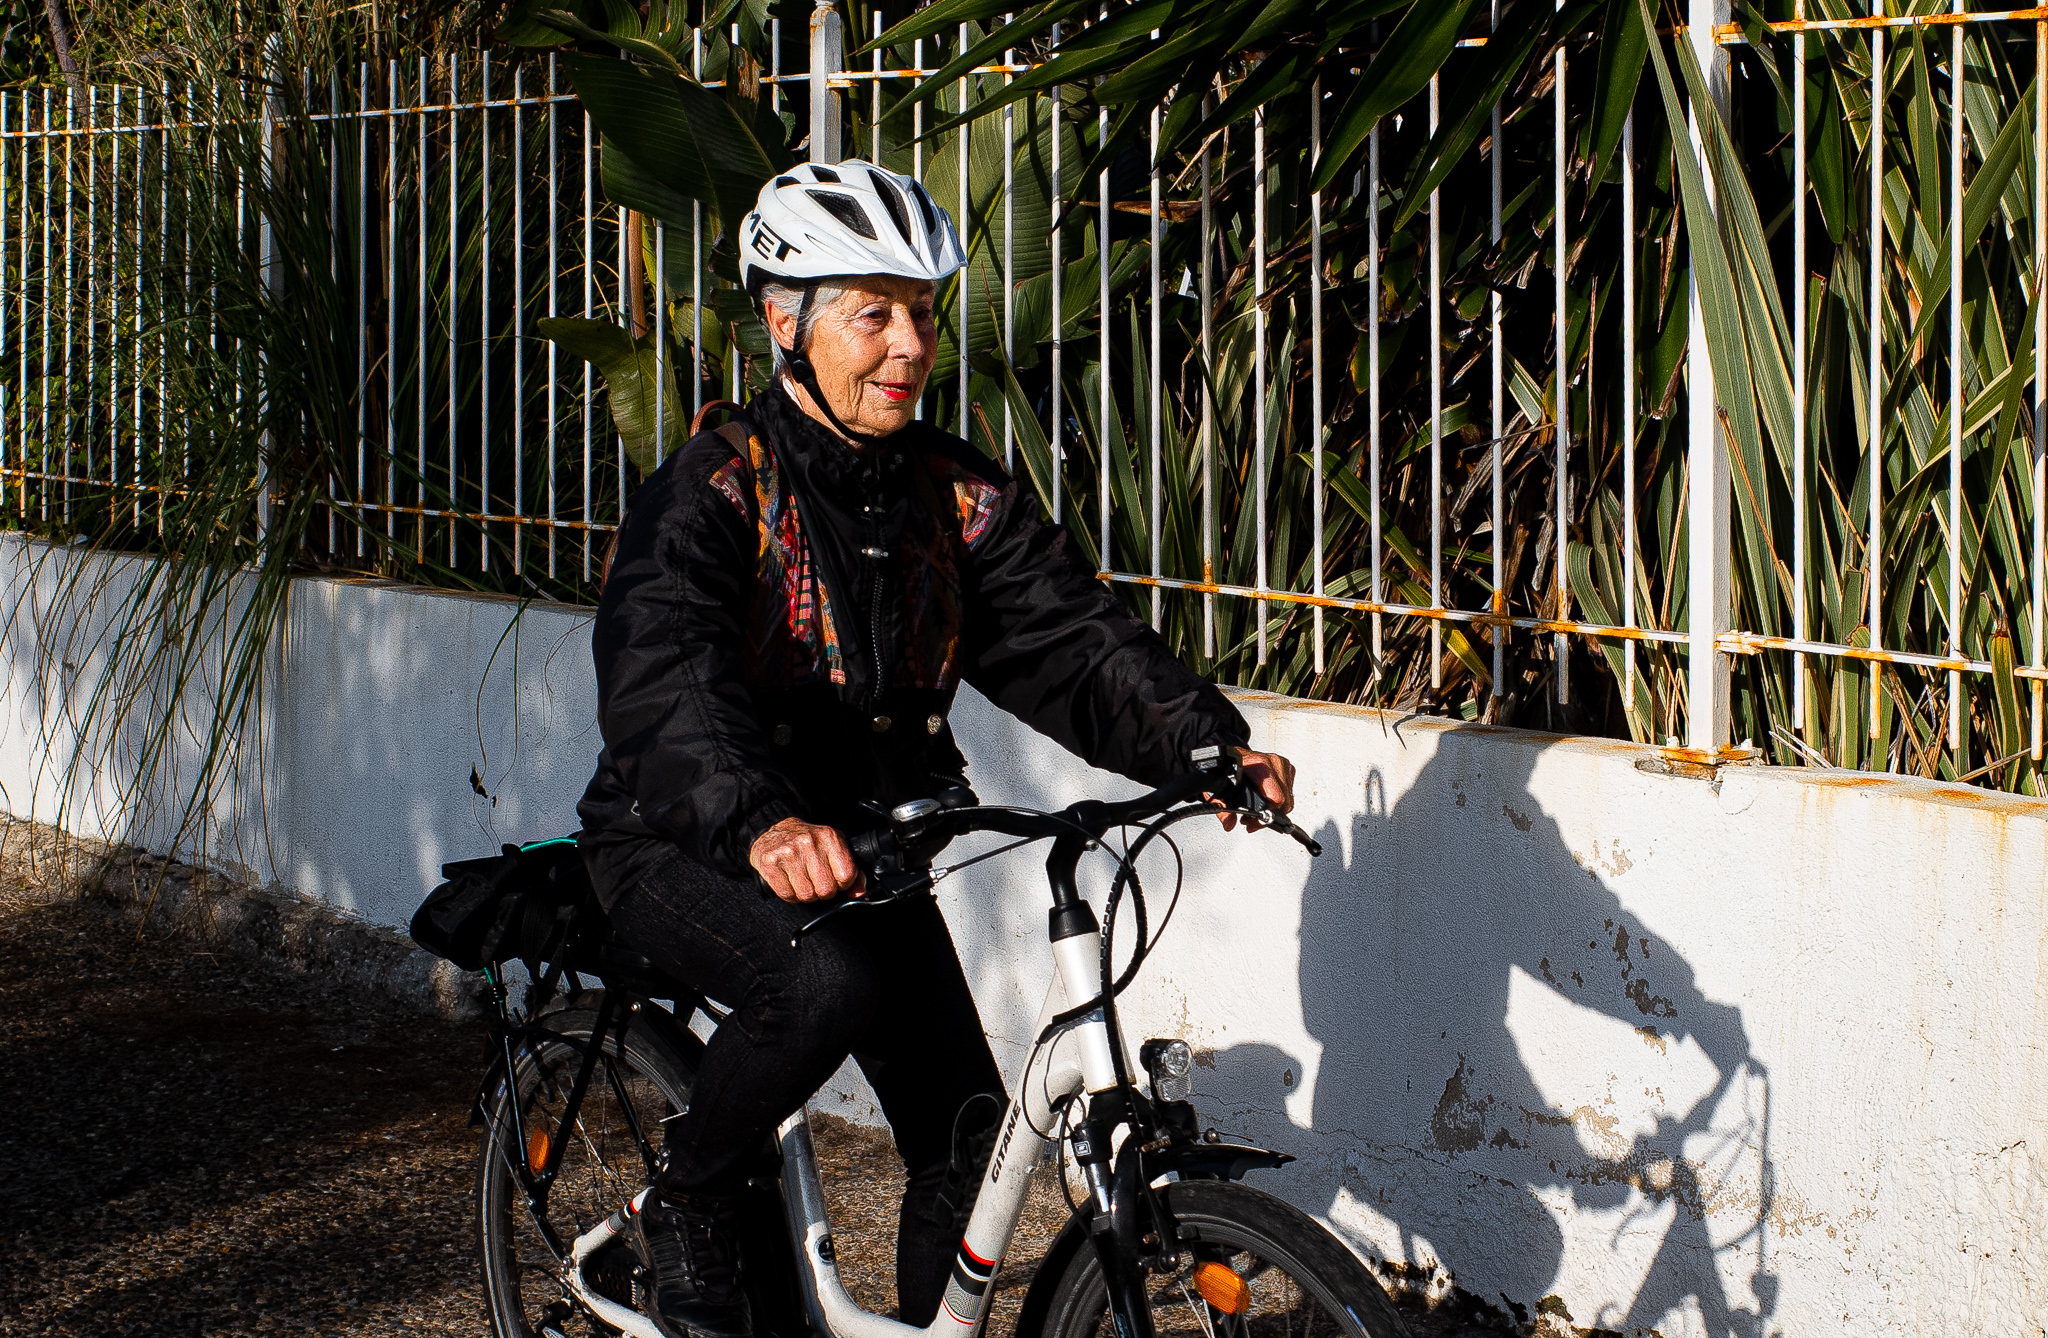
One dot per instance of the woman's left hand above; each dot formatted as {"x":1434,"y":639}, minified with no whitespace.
{"x":1274,"y":776}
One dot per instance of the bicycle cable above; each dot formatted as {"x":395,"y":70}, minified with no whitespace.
{"x":1127,"y":874}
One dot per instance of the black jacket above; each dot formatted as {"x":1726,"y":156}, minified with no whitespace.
{"x":783,"y":630}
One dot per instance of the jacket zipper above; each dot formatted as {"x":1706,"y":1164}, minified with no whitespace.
{"x":875,"y":555}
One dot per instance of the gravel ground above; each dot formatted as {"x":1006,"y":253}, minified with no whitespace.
{"x":210,"y":1145}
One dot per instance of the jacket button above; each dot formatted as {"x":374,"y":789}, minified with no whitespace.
{"x":881,"y":724}
{"x":781,"y":735}
{"x":933,"y":723}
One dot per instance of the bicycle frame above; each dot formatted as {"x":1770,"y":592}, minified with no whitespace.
{"x":1073,"y":1059}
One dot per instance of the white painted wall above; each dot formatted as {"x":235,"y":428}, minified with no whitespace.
{"x":1757,"y":1057}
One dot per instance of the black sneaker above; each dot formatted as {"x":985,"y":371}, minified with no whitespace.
{"x":692,"y":1248}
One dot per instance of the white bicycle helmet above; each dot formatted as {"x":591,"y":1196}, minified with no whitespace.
{"x":817,"y":221}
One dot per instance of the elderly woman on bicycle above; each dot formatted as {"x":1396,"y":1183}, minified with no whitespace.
{"x":793,"y":603}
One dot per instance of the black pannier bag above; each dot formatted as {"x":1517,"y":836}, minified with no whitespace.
{"x":514,"y":906}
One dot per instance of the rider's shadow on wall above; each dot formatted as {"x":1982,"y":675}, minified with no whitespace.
{"x":1463,"y":894}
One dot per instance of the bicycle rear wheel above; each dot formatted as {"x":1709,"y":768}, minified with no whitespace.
{"x":639,"y":1082}
{"x":1299,"y":1281}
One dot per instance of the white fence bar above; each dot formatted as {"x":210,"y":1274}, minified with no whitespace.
{"x":1207,"y":242}
{"x":1157,"y":379}
{"x":1709,"y":576}
{"x":1372,"y":388}
{"x":362,"y":294}
{"x":1874,"y":541}
{"x":2039,"y":582}
{"x":1106,"y":401}
{"x":1498,"y":600}
{"x":1958,"y":390}
{"x":1057,"y":436}
{"x":1009,"y":269}
{"x":1315,"y":303}
{"x":1799,"y":669}
{"x":1561,"y":472}
{"x":484,"y":333}
{"x":1260,"y":393}
{"x":589,"y":310}
{"x":961,"y":288}
{"x":1435,"y":298}
{"x":420,"y":310}
{"x":1628,"y":411}
{"x":454,"y":296}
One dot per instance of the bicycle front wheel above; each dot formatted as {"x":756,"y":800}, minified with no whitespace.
{"x":1298,"y":1280}
{"x":640,"y":1081}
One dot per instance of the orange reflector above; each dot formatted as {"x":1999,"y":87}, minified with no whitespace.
{"x":537,"y":1151}
{"x":1221,"y":1287}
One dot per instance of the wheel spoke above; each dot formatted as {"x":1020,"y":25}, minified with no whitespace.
{"x":1196,"y":1307}
{"x":597,"y":1167}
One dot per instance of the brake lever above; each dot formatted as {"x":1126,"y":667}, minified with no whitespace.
{"x":1280,"y":822}
{"x":892,"y":888}
{"x":1266,"y":815}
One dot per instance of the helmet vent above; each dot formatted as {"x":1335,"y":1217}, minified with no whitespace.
{"x":785,"y":181}
{"x":892,"y":200}
{"x":846,"y":211}
{"x":824,"y":174}
{"x":924,"y":206}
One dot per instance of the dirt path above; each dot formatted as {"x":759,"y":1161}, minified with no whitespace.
{"x":206,"y":1145}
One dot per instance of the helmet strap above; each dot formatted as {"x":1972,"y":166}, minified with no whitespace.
{"x":798,"y":364}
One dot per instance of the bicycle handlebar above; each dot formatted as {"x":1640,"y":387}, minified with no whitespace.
{"x":894,"y":859}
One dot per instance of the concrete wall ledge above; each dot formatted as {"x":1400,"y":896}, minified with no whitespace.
{"x":157,"y":898}
{"x":1762,"y":1053}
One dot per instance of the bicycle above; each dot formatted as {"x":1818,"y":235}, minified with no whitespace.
{"x":1164,"y":1237}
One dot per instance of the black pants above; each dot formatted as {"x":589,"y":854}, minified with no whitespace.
{"x":883,"y":985}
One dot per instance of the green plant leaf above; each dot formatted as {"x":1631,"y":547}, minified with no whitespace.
{"x":639,"y":384}
{"x":1624,"y":46}
{"x":695,"y":138}
{"x":1399,"y":70}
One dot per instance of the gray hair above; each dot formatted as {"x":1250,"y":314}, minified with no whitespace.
{"x":790,"y":301}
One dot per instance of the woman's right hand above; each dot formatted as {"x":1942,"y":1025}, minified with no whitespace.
{"x":803,"y":862}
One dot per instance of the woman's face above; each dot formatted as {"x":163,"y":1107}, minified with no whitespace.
{"x":872,"y":350}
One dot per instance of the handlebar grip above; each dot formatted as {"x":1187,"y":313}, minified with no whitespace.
{"x":866,"y":848}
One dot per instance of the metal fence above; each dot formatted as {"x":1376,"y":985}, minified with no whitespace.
{"x":465,"y":206}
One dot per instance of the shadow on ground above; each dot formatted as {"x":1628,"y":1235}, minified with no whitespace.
{"x":205,"y":1145}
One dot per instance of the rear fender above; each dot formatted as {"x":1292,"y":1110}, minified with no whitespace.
{"x":650,"y":1028}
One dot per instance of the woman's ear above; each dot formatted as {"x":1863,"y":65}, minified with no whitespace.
{"x":781,"y":326}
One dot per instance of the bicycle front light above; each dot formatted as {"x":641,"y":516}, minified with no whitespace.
{"x":1172,"y":1066}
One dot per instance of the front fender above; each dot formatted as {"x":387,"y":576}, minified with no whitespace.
{"x":1191,"y":1161}
{"x":1212,"y":1161}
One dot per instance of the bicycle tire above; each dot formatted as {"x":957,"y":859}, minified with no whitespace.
{"x":599,"y":1171}
{"x":1304,"y":1283}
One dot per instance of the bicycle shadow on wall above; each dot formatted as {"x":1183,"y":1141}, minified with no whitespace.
{"x":1509,"y":1054}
